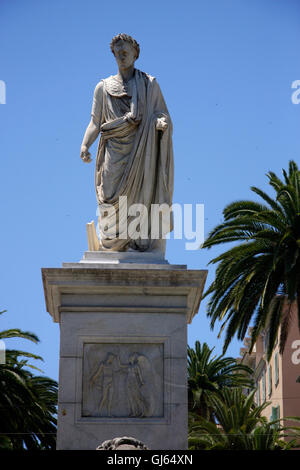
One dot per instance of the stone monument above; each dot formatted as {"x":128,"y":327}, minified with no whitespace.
{"x":123,"y":309}
{"x":134,"y":164}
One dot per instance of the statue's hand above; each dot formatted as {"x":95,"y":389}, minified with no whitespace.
{"x":85,"y":154}
{"x":133,"y":120}
{"x":161,"y":124}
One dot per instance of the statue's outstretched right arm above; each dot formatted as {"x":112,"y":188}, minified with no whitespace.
{"x":93,"y":128}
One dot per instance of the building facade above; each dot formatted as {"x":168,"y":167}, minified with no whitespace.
{"x":276,"y":380}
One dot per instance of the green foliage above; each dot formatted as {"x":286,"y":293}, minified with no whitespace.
{"x":27,"y":402}
{"x":208,"y":375}
{"x":240,"y":426}
{"x":255,"y":278}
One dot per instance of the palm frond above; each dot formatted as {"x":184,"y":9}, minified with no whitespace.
{"x":263,"y":264}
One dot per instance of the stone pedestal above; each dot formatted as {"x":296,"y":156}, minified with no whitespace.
{"x":123,"y":348}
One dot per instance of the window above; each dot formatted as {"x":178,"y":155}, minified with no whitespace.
{"x":276,"y":370}
{"x":265,"y":340}
{"x":270,"y":382}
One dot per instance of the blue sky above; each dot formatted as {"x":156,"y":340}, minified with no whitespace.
{"x":225,"y":68}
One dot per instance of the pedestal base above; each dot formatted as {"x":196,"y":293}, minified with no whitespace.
{"x":123,"y":351}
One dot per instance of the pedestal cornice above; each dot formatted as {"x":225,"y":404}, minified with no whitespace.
{"x":142,"y":283}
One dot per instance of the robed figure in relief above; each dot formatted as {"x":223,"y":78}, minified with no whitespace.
{"x":134,"y":165}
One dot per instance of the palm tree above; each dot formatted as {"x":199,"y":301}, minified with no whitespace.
{"x":258,"y":277}
{"x":208,"y":375}
{"x":240,"y":426}
{"x":27,"y":401}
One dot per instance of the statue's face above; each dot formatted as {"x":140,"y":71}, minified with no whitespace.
{"x":125,"y":54}
{"x":110,"y":359}
{"x":132,"y":359}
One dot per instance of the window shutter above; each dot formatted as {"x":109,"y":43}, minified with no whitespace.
{"x":264,"y":387}
{"x":258,"y":394}
{"x":270,"y":382}
{"x":275,"y":415}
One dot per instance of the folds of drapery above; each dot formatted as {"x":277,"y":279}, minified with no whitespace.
{"x":134,"y":164}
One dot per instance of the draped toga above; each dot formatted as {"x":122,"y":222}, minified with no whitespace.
{"x":135,"y":161}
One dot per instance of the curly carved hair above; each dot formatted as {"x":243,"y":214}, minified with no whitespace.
{"x":125,"y":37}
{"x":113,"y":444}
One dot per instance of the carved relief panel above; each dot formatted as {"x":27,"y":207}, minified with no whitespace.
{"x":123,"y":380}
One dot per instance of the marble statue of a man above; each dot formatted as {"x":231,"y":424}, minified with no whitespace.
{"x":134,"y":164}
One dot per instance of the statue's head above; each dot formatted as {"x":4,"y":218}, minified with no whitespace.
{"x":125,"y":49}
{"x":110,"y":358}
{"x":122,"y":443}
{"x":133,"y":358}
